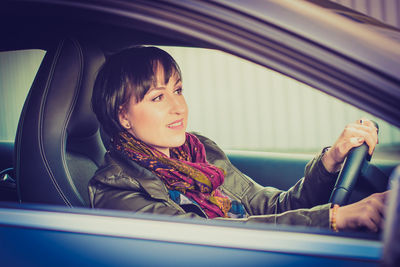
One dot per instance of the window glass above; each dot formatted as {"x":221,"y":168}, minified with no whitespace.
{"x":17,"y":72}
{"x":244,"y":106}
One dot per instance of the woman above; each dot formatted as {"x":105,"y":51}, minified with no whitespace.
{"x":154,"y":166}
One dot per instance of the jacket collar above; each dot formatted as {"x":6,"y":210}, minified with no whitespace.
{"x":147,"y":180}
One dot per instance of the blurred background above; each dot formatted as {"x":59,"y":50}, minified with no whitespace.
{"x":258,"y":109}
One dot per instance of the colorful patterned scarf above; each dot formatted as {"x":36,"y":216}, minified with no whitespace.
{"x":186,"y":171}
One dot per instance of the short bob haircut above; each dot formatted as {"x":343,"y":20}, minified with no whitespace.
{"x":126,"y":73}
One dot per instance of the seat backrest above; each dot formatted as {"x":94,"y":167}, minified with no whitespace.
{"x":58,"y":145}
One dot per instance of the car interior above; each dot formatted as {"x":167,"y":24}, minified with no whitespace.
{"x":59,"y":145}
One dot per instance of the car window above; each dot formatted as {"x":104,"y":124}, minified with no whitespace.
{"x":18,"y":70}
{"x":261,"y":110}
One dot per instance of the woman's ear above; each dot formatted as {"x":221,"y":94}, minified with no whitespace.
{"x":123,"y":120}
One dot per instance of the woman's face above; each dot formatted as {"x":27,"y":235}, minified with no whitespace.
{"x":160,"y":119}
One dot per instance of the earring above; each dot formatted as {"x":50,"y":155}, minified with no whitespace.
{"x":127,"y":126}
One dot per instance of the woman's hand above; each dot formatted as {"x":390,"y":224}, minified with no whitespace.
{"x":367,"y":213}
{"x":353,"y":135}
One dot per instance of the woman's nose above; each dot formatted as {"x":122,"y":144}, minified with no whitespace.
{"x":178,"y":104}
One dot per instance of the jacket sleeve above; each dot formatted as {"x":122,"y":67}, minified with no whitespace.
{"x":317,"y":216}
{"x":311,"y":190}
{"x":303,"y":204}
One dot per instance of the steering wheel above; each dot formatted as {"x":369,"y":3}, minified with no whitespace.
{"x":356,"y":158}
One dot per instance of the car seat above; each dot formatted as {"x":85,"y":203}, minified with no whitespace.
{"x":58,"y":145}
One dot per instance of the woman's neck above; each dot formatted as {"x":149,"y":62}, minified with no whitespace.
{"x":165,"y":151}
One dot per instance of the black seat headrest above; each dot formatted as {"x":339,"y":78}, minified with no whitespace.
{"x":58,"y":144}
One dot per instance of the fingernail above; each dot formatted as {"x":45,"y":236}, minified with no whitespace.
{"x":360,"y":139}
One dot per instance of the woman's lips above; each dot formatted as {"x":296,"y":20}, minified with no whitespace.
{"x":176,"y":124}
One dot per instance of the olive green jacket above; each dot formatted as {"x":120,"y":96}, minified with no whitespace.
{"x":124,"y":185}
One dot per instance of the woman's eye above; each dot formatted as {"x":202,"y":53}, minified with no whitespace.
{"x":157,"y":98}
{"x":179,"y":91}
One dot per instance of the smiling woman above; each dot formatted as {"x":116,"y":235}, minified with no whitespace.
{"x":154,"y":166}
{"x":150,"y":107}
{"x":160,"y":118}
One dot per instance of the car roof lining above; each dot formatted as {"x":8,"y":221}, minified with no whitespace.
{"x":43,"y":32}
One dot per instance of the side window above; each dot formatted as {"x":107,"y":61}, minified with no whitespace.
{"x":243,"y":106}
{"x":17,"y":72}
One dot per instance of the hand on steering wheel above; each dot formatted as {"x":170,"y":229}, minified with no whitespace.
{"x":367,"y":213}
{"x":354,"y":135}
{"x":354,"y":144}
